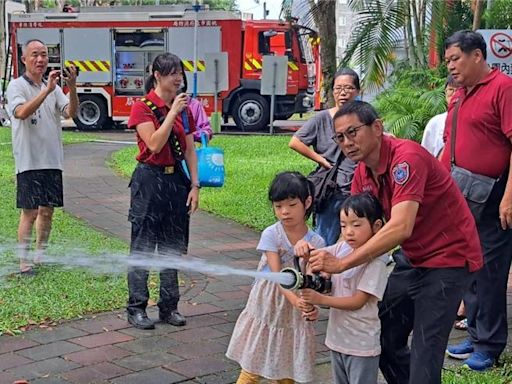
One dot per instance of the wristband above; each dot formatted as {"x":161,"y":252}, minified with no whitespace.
{"x":196,"y":185}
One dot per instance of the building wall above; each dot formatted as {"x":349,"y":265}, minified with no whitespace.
{"x":344,"y":19}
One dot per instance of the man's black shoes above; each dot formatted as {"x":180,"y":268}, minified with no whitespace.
{"x":140,"y":320}
{"x":174,"y":318}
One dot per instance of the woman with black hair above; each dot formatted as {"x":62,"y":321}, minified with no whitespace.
{"x":314,"y":140}
{"x":162,"y":196}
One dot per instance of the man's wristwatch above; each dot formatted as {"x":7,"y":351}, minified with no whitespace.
{"x":196,"y":185}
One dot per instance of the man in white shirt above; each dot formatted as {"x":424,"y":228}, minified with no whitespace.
{"x":35,"y":107}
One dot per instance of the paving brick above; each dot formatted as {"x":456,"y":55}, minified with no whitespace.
{"x":49,"y":335}
{"x":47,"y":351}
{"x":150,"y":376}
{"x":232,"y":295}
{"x":201,"y":366}
{"x":188,"y":309}
{"x":215,"y":286}
{"x":228,"y":377}
{"x":147,"y":360}
{"x":226,"y":328}
{"x":11,"y":360}
{"x":227,"y":305}
{"x":203,"y":321}
{"x":197,"y":334}
{"x":95,"y":373}
{"x":151,"y":343}
{"x":195,"y":350}
{"x":6,"y":377}
{"x":111,"y":322}
{"x":105,"y":338}
{"x":15,"y":343}
{"x":97,"y":355}
{"x":231,"y":315}
{"x":44,"y":368}
{"x":224,"y":340}
{"x":50,"y":380}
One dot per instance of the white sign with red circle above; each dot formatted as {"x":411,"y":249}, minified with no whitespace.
{"x":499,"y":48}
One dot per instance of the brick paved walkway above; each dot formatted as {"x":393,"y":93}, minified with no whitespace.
{"x":103,"y":348}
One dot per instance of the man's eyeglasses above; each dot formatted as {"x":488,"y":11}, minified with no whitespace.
{"x":350,"y":133}
{"x":344,"y":88}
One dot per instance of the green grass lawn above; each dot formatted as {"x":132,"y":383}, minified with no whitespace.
{"x":54,"y":294}
{"x":251,"y":162}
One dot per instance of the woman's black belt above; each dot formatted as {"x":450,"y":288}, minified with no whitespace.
{"x":167,"y":170}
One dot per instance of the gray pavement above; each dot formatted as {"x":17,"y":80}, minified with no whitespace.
{"x":104,"y":348}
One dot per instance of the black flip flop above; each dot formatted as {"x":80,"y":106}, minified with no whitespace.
{"x":27,"y":273}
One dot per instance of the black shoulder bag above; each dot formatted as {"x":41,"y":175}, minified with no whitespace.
{"x":475,"y":188}
{"x":325,"y":182}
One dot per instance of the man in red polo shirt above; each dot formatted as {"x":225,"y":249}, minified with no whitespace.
{"x":427,"y":215}
{"x":483,"y":110}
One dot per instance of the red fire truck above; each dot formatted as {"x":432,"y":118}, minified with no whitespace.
{"x":113,"y":47}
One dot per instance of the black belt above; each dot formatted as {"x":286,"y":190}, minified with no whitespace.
{"x":167,"y":170}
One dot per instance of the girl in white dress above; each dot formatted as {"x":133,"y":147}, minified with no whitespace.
{"x":272,"y":337}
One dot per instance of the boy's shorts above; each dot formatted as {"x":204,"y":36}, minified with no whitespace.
{"x":41,"y":187}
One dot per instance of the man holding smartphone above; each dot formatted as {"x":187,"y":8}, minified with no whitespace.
{"x":35,"y":106}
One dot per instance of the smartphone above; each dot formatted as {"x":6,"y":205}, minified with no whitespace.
{"x":76,"y":68}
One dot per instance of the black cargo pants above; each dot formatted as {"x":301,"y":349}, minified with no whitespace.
{"x":160,"y":223}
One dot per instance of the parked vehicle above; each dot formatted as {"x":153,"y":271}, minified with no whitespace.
{"x":113,"y":48}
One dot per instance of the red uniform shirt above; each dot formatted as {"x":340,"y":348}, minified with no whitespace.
{"x":141,"y":113}
{"x":484,"y":126}
{"x":444,"y":233}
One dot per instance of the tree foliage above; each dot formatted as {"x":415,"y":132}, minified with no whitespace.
{"x":383,"y":26}
{"x":499,"y":16}
{"x":416,"y":95}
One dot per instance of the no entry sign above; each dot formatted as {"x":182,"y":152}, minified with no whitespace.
{"x":499,"y":48}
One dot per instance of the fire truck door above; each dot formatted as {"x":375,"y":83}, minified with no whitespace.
{"x":89,"y":49}
{"x":49,"y":36}
{"x":181,"y":43}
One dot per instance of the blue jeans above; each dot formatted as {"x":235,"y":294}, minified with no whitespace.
{"x":328,"y":220}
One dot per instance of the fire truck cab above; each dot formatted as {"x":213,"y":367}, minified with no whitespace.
{"x":114,"y":47}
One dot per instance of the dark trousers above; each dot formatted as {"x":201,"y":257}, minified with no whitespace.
{"x":486,"y":298}
{"x":424,"y":301}
{"x":160,"y":224}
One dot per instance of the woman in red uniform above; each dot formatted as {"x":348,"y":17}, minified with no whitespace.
{"x":162,"y":196}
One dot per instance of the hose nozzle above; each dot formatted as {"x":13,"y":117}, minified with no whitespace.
{"x":301,"y":281}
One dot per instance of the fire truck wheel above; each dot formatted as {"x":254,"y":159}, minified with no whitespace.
{"x":92,"y":113}
{"x":251,"y":112}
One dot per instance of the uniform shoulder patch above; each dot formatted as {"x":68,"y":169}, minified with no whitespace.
{"x":401,"y":173}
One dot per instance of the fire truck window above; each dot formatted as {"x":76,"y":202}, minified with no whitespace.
{"x":263,"y":44}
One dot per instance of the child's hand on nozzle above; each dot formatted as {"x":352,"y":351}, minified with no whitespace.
{"x":302,"y":306}
{"x":310,"y":296}
{"x":302,"y":249}
{"x":312,"y":315}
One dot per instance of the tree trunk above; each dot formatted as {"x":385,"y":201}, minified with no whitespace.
{"x":413,"y":60}
{"x":418,"y":35}
{"x":477,"y":16}
{"x":325,"y":19}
